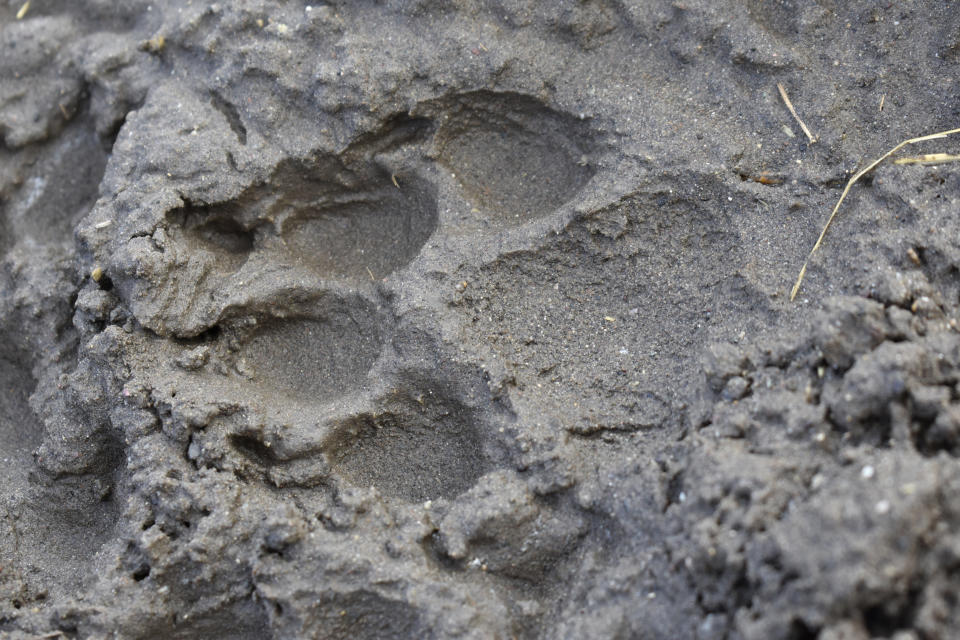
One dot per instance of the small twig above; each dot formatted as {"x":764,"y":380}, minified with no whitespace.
{"x":372,"y":279}
{"x":23,"y":10}
{"x":793,"y":112}
{"x":882,"y":98}
{"x":870,"y":167}
{"x":929,"y":158}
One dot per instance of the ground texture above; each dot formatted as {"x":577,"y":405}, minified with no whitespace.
{"x":424,"y":319}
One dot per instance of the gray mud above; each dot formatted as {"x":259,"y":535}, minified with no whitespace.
{"x":470,"y":320}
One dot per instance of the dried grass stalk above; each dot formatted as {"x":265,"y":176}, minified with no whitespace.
{"x":870,"y":167}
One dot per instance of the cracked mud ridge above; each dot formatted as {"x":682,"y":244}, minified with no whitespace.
{"x":440,"y":320}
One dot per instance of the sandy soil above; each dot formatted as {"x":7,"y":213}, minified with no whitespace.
{"x":423,"y":319}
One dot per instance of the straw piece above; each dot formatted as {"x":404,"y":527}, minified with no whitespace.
{"x":870,"y":167}
{"x":793,"y":112}
{"x":929,"y":158}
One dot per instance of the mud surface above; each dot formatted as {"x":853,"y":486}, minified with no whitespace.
{"x":470,"y":320}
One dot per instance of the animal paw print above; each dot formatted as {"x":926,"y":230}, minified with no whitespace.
{"x":515,"y":159}
{"x":293,"y":269}
{"x":341,"y":224}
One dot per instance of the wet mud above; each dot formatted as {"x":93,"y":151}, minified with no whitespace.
{"x":471,"y":320}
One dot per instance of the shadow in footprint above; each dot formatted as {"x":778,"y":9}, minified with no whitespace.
{"x":370,"y":237}
{"x":243,"y":620}
{"x":72,"y":516}
{"x":363,"y":615}
{"x":420,"y":446}
{"x":61,"y":186}
{"x":514,"y":157}
{"x":317,"y":359}
{"x":341,"y":223}
{"x":219,"y":234}
{"x":20,"y":430}
{"x":6,"y":237}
